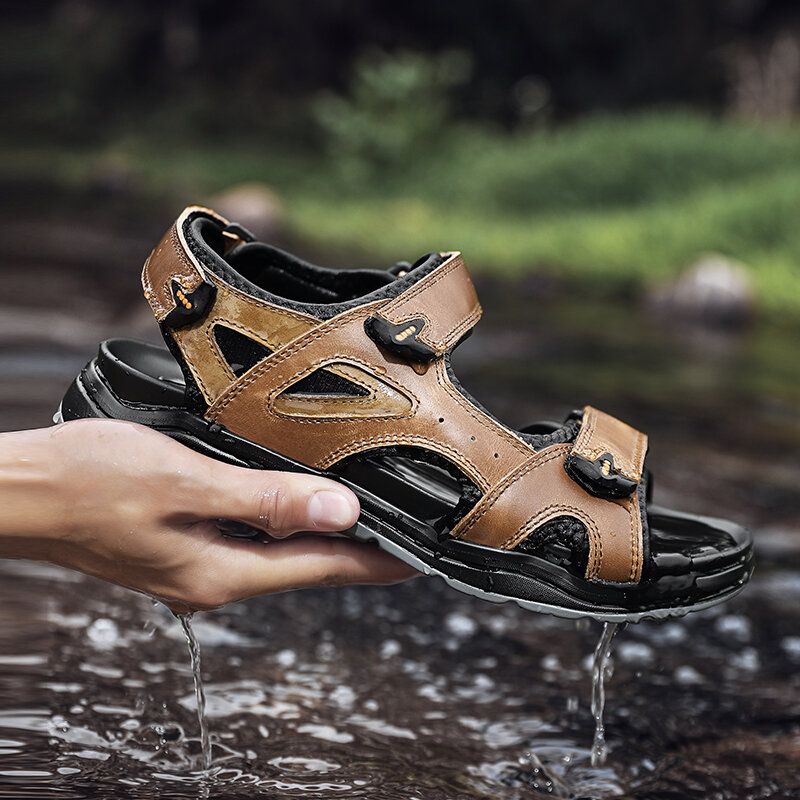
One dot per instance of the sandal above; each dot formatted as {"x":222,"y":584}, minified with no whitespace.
{"x":279,"y":364}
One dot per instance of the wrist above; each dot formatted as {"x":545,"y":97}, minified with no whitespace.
{"x":32,"y":498}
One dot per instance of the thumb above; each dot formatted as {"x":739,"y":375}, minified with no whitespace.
{"x":280,"y":503}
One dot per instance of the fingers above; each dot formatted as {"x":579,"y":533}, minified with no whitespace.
{"x":280,"y":503}
{"x":257,"y":568}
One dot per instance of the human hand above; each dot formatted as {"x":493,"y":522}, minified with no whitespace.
{"x":132,"y":506}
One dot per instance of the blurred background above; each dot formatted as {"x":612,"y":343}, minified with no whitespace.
{"x":623,"y":179}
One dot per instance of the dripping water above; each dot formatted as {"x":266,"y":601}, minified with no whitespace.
{"x":199,"y":691}
{"x":600,"y":669}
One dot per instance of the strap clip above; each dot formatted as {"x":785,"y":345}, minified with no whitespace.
{"x":431,"y":316}
{"x":599,"y":477}
{"x":401,"y":339}
{"x":190,"y":305}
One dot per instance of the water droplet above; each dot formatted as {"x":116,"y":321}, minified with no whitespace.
{"x":390,"y":648}
{"x":461,"y":625}
{"x":572,"y":704}
{"x":103,"y":634}
{"x":734,"y":627}
{"x":791,"y":646}
{"x":687,"y":676}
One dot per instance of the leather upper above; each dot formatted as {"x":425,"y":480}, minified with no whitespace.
{"x":406,"y":398}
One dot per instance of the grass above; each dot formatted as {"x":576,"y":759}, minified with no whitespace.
{"x":615,"y":202}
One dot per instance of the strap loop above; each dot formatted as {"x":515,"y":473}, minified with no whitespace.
{"x":174,"y":283}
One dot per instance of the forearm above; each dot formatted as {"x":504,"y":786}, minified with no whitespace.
{"x":32,"y":512}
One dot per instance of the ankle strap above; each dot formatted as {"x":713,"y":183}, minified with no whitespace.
{"x":431,"y":316}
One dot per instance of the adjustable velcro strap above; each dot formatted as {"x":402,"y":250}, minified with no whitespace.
{"x":607,"y":458}
{"x":431,"y":316}
{"x":539,"y":491}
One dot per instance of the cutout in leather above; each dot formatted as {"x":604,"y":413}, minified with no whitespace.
{"x":240,"y":351}
{"x":341,"y":391}
{"x":330,"y":384}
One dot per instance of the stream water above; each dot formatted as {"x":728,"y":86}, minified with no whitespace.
{"x":409,"y":692}
{"x":551,"y":785}
{"x":417,"y":691}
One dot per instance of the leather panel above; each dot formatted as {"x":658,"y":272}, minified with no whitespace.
{"x":269,"y":325}
{"x":443,"y":420}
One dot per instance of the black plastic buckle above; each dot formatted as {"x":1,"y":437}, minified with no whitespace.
{"x":190,"y":306}
{"x":401,"y":339}
{"x":599,"y":477}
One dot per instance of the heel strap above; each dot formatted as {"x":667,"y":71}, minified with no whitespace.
{"x":173,"y":280}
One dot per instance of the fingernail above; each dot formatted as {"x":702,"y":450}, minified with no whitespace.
{"x":331,"y":511}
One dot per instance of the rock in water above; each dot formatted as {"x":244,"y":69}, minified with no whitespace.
{"x":253,"y":205}
{"x":714,"y":289}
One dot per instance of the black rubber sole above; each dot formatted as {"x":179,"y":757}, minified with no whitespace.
{"x":497,"y":576}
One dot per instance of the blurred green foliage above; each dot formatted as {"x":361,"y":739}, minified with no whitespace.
{"x":619,"y":202}
{"x":479,"y":139}
{"x":622,"y":201}
{"x":397,"y":107}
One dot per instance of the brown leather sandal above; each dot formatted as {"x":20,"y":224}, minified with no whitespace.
{"x":279,"y":364}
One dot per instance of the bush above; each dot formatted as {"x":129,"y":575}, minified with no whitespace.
{"x":398,"y":105}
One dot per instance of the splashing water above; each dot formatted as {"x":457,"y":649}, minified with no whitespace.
{"x":599,"y":674}
{"x":199,"y":691}
{"x":542,"y":780}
